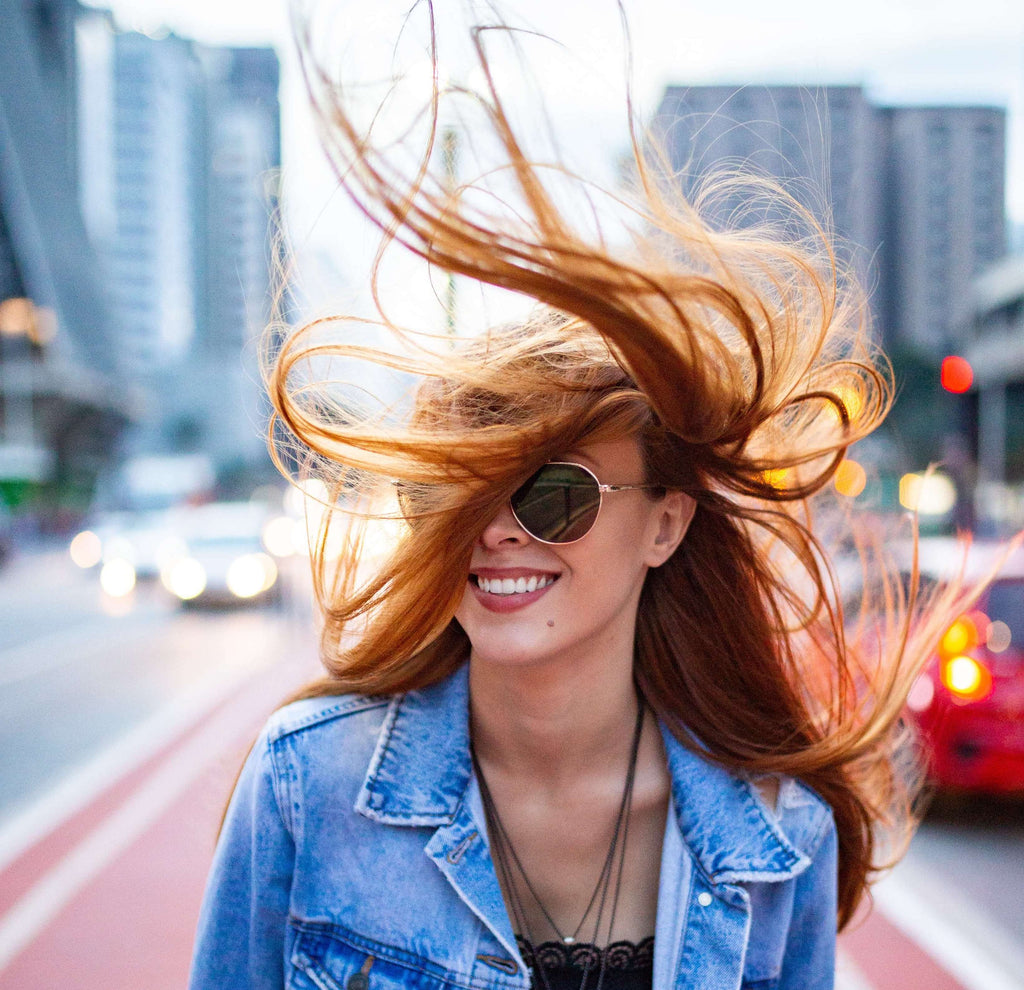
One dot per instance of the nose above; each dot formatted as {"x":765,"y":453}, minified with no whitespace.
{"x":503,"y":531}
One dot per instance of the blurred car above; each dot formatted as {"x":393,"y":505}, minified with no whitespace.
{"x":969,"y":701}
{"x":223,"y":559}
{"x":146,"y":540}
{"x":130,"y":546}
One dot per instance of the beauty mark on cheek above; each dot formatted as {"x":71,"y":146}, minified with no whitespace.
{"x":551,"y":623}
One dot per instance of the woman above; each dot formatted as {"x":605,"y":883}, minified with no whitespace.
{"x":603,"y":723}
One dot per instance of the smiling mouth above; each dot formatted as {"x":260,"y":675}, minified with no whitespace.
{"x":514,"y":586}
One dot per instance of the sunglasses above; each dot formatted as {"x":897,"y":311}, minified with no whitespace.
{"x":560,"y":503}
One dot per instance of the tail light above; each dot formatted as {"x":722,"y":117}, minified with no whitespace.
{"x":964,"y":676}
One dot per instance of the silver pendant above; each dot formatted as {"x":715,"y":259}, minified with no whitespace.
{"x":568,"y":940}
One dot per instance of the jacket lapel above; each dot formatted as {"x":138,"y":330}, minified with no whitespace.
{"x":421,"y":775}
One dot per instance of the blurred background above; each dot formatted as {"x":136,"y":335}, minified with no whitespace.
{"x":159,"y":169}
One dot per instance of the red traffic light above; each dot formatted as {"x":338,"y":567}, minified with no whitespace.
{"x":956,"y":374}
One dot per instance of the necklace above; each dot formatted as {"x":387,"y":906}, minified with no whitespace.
{"x":508,"y":863}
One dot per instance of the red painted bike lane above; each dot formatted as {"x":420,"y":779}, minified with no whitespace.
{"x":109,"y":899}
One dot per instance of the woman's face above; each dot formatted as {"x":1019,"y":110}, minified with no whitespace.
{"x":586,"y":594}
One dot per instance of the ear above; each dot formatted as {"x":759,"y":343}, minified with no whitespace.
{"x":672,"y":520}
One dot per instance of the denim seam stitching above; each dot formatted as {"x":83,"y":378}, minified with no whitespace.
{"x":399,"y":957}
{"x":352,"y":706}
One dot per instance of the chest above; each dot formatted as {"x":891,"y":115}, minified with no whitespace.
{"x":422,"y":909}
{"x":589,"y":877}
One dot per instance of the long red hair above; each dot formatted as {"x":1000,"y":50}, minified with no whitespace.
{"x":741,"y":361}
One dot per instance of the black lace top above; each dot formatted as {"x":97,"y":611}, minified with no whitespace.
{"x":627,"y":965}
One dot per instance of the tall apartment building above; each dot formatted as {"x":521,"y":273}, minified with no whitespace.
{"x":62,"y":402}
{"x":141,"y":188}
{"x":915,"y":193}
{"x":817,"y":142}
{"x":943,"y":208}
{"x":179,"y":163}
{"x":243,"y":154}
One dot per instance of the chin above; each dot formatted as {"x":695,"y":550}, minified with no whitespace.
{"x":512,"y":655}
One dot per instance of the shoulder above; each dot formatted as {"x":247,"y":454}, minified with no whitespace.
{"x":332,"y":736}
{"x":744,"y":827}
{"x":311,"y":718}
{"x":314,"y":753}
{"x":800,"y":812}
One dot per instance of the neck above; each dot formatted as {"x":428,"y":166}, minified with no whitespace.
{"x":551,"y":724}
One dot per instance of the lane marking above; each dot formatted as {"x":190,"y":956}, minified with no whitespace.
{"x":82,"y":786}
{"x":50,"y":651}
{"x":40,"y":905}
{"x":957,"y":933}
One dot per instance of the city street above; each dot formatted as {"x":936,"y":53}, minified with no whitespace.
{"x":122,"y":729}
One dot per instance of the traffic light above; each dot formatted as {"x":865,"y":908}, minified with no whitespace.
{"x":956,"y":374}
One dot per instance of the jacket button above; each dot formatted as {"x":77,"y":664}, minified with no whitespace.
{"x":357,"y":981}
{"x":703,"y":900}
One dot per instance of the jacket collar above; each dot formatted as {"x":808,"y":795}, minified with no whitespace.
{"x":728,"y":828}
{"x":421,"y":769}
{"x":421,"y":766}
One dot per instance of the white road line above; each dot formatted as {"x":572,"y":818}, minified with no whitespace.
{"x":83,"y":785}
{"x":953,"y":930}
{"x":56,"y":649}
{"x":30,"y":915}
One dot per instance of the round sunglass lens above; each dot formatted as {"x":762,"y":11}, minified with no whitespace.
{"x":558,"y":504}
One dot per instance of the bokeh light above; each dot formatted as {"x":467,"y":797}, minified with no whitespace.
{"x":185,"y":578}
{"x":281,"y":536}
{"x":966,"y":678}
{"x":956,"y":374}
{"x":117,"y":578}
{"x":852,"y":401}
{"x":850,"y":478}
{"x":999,"y":637}
{"x":86,"y":549}
{"x":929,"y":494}
{"x":249,"y":575}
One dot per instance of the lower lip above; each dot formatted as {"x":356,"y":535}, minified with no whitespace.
{"x":508,"y":603}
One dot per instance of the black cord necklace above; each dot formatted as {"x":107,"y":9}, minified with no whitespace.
{"x":508,"y":863}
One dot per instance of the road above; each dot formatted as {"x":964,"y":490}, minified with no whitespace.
{"x":122,"y":727}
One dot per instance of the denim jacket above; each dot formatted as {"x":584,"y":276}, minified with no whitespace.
{"x":354,"y":855}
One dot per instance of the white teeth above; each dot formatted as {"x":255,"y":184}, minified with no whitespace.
{"x":514,"y":586}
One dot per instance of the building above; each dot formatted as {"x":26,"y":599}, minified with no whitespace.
{"x":994,"y":331}
{"x":943,"y":177}
{"x":63,"y":400}
{"x":240,"y":196}
{"x":141,"y":190}
{"x":179,"y":163}
{"x":914,"y":194}
{"x":817,"y":142}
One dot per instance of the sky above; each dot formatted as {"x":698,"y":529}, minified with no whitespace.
{"x":901,"y":51}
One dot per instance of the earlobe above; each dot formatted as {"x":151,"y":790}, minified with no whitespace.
{"x":677,"y":509}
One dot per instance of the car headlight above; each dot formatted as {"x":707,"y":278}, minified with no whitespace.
{"x":249,"y":575}
{"x":117,"y":578}
{"x":185,"y":578}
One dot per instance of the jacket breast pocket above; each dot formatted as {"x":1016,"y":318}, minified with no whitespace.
{"x":326,"y":957}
